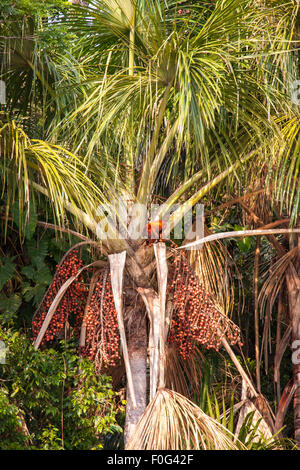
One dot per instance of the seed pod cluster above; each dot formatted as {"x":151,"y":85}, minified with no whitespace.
{"x":102,"y":332}
{"x":195,"y":316}
{"x":71,"y":305}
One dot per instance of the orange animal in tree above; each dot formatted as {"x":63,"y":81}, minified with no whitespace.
{"x":155,"y":229}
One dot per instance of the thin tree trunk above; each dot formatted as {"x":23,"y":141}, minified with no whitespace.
{"x":293,"y":288}
{"x":278,"y":340}
{"x":283,"y":404}
{"x":256,"y":313}
{"x":295,"y":302}
{"x":294,"y":299}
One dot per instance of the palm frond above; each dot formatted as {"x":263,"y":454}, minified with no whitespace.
{"x":184,"y":377}
{"x":51,"y":170}
{"x":215,"y":268}
{"x":274,"y":280}
{"x":216,"y":107}
{"x":284,"y":167}
{"x":172,"y":422}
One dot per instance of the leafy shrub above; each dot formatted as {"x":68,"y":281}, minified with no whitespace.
{"x":51,"y":400}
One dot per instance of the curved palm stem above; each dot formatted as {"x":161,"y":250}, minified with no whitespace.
{"x":238,"y":233}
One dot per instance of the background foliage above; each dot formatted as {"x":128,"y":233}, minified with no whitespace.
{"x":62,"y":409}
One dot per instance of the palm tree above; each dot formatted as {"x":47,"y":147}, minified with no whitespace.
{"x":170,"y":103}
{"x":279,"y":206}
{"x":271,"y":202}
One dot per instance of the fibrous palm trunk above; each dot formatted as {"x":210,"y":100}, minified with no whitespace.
{"x":137,"y":350}
{"x":139,"y":270}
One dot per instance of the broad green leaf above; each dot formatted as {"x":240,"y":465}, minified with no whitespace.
{"x":10,"y":305}
{"x":29,"y":272}
{"x":37,"y":252}
{"x":7,"y":269}
{"x":26,"y":223}
{"x":34,"y":293}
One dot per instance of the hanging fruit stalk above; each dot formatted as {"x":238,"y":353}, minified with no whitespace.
{"x":102,"y":330}
{"x":151,"y":301}
{"x":66,"y":295}
{"x":117,"y":264}
{"x":185,"y":316}
{"x":92,"y":287}
{"x":162,"y":277}
{"x":59,"y":300}
{"x":195,"y":316}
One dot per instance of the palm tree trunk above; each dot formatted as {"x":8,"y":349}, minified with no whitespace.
{"x":137,"y":351}
{"x":137,"y":339}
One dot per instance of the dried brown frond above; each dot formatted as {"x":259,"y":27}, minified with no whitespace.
{"x":275,"y":279}
{"x":183,"y":376}
{"x":215,"y":268}
{"x":172,"y":422}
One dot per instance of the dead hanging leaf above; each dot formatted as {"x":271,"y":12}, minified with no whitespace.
{"x":261,"y":419}
{"x":117,"y":264}
{"x":184,"y":376}
{"x":263,"y":428}
{"x":172,"y":422}
{"x":283,"y":405}
{"x":217,"y":272}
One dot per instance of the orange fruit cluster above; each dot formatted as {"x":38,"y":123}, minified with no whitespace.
{"x":71,"y":305}
{"x":102,"y":331}
{"x":195,"y":317}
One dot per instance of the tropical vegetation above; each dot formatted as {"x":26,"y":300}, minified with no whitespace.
{"x":112,"y":108}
